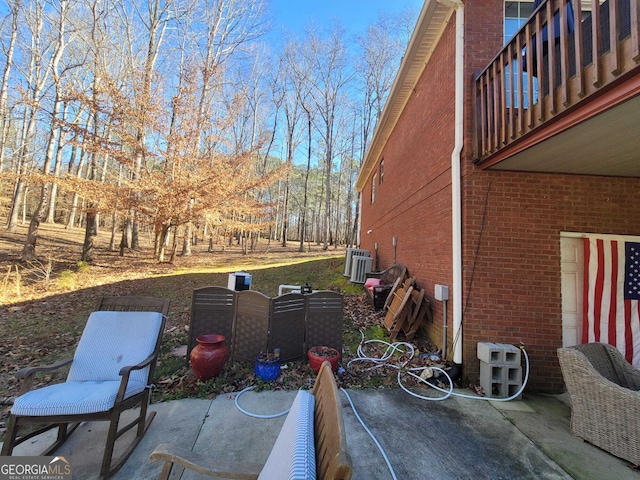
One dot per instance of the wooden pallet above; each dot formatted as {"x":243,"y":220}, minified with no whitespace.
{"x":408,"y":309}
{"x":418,"y":306}
{"x":399,"y":301}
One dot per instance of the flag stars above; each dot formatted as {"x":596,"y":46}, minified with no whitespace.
{"x":632,"y":271}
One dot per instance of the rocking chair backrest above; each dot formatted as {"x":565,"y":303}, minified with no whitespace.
{"x":112,"y":340}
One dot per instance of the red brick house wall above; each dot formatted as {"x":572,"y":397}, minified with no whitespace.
{"x":413,"y":203}
{"x":511,"y":221}
{"x":512,"y":260}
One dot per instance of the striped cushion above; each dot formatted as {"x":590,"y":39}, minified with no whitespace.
{"x":293,"y":455}
{"x":112,"y":340}
{"x":72,"y":398}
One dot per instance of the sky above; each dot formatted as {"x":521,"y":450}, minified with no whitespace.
{"x":294,"y":15}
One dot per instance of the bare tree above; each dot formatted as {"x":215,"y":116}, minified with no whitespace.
{"x":152,"y":103}
{"x":37,"y":77}
{"x":155,"y":21}
{"x":57,"y":165}
{"x":381,"y":48}
{"x":229,"y":25}
{"x":326,"y":59}
{"x":6,"y":72}
{"x":81,"y":161}
{"x":97,"y":45}
{"x":29,"y":249}
{"x":292,"y":112}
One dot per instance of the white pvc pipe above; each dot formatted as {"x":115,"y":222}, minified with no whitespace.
{"x":450,"y":391}
{"x":455,"y":186}
{"x":444,"y":330}
{"x":392,"y":348}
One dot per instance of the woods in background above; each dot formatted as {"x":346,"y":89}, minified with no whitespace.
{"x":180,"y":118}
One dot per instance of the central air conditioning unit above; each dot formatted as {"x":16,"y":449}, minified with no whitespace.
{"x":351,"y":254}
{"x":359,"y":269}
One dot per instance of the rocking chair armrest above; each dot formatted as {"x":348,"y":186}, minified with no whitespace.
{"x":204,"y":465}
{"x":28,"y":371}
{"x":126,"y":371}
{"x":27,"y":374}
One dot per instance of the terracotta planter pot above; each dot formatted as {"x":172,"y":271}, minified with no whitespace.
{"x":208,"y":357}
{"x":320,"y":354}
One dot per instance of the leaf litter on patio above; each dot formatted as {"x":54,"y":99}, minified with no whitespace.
{"x":361,"y":323}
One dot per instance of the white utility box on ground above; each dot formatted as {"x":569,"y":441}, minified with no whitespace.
{"x":239,"y":281}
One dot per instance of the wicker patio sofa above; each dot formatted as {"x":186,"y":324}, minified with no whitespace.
{"x":605,"y":402}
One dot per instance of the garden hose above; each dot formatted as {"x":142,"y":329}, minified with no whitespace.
{"x":391,"y":348}
{"x":256,"y":415}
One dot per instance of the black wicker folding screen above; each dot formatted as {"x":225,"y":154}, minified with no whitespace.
{"x":254,"y":323}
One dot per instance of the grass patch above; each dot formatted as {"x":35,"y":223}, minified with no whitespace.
{"x":83,"y":267}
{"x":66,"y":280}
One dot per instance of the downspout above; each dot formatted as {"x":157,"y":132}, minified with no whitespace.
{"x":359,"y":220}
{"x":456,"y":198}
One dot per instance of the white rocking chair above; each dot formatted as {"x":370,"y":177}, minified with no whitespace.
{"x":109,"y":374}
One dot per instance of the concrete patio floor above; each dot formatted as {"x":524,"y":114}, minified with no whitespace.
{"x":452,"y":439}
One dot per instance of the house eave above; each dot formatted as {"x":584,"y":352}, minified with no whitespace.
{"x":431,"y":23}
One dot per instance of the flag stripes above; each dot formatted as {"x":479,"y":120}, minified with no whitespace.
{"x":611,"y":312}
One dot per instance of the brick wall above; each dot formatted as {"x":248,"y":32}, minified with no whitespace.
{"x":512,"y":261}
{"x":414,"y":197}
{"x":511,"y":221}
{"x":414,"y":201}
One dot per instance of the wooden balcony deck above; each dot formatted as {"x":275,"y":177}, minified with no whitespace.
{"x":552,"y":68}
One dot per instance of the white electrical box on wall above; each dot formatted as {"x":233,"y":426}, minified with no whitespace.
{"x":441,"y":292}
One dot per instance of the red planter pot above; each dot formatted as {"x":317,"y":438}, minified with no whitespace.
{"x":208,"y":357}
{"x":318,"y":355}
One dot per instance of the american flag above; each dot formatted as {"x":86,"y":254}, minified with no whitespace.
{"x":611,"y":312}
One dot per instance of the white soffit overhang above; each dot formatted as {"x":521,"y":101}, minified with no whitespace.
{"x":429,"y":27}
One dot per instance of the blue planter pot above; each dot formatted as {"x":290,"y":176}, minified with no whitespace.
{"x":267,"y":370}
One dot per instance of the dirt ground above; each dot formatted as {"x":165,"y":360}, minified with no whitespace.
{"x":63,"y":249}
{"x":42,"y":318}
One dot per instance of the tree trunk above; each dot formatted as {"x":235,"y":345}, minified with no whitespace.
{"x":285,"y":206}
{"x":24,"y":205}
{"x":114,"y":230}
{"x":91,"y":213}
{"x":354,"y":234}
{"x":162,"y":242}
{"x":74,"y":202}
{"x":18,"y":193}
{"x":328,"y":170}
{"x":306,"y":188}
{"x":57,"y":160}
{"x":23,"y":155}
{"x":4,"y":88}
{"x":89,"y":233}
{"x":29,"y":248}
{"x":186,"y":241}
